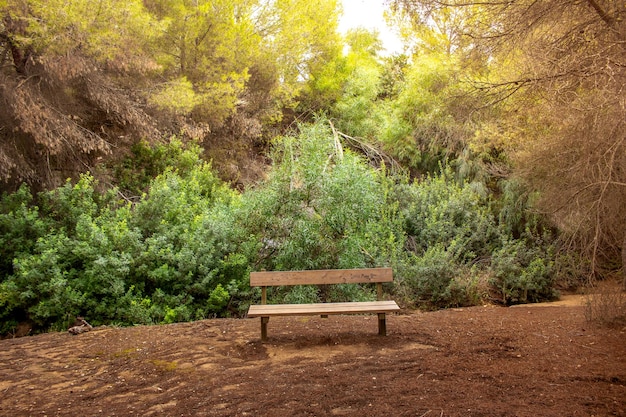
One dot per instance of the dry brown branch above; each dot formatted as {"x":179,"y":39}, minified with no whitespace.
{"x":375,"y":156}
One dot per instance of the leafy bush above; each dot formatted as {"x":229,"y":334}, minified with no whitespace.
{"x":423,"y":126}
{"x":185,"y":250}
{"x":439,"y":211}
{"x":430,"y":279}
{"x":189,"y":242}
{"x":454,"y":228}
{"x":322,"y":207}
{"x":522,"y":274}
{"x":20,"y":227}
{"x":79,"y":265}
{"x":319,"y":206}
{"x":145,"y":162}
{"x":171,"y":257}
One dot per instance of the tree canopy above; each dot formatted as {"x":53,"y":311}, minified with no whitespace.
{"x":557,"y":75}
{"x":82,"y":81}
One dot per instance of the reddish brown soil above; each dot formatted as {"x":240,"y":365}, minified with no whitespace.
{"x":481,"y":361}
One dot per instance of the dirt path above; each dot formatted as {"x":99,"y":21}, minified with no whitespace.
{"x":481,"y":361}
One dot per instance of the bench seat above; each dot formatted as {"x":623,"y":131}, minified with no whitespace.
{"x":269,"y":310}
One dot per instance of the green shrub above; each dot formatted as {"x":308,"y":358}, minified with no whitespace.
{"x":322,"y":207}
{"x":351,"y":292}
{"x":430,"y":280}
{"x":300,"y":294}
{"x":80,"y":266}
{"x":160,"y":260}
{"x":176,"y":314}
{"x":439,"y":211}
{"x":20,"y":227}
{"x":218,"y":299}
{"x":145,"y":162}
{"x":134,"y":308}
{"x":522,"y":274}
{"x":185,"y":250}
{"x":190,"y":241}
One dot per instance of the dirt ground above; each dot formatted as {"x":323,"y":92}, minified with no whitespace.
{"x":481,"y":361}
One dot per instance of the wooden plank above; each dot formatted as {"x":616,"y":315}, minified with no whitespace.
{"x":269,"y":310}
{"x":319,"y":277}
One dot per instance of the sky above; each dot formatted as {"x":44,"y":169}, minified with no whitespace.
{"x":369,"y":14}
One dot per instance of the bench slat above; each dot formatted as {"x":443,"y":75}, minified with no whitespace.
{"x":268,"y":310}
{"x":319,"y":277}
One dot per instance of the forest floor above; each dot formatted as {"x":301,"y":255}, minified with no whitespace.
{"x":540,"y":360}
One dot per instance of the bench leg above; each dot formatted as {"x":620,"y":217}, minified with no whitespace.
{"x":382,"y":325}
{"x":264,"y":321}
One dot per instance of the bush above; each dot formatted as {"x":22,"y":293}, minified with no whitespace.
{"x":430,"y":280}
{"x":185,"y":250}
{"x":439,"y":211}
{"x":322,"y":207}
{"x":20,"y":227}
{"x":453,"y":228}
{"x":171,"y":257}
{"x":522,"y":274}
{"x":145,"y":162}
{"x":190,"y":242}
{"x":80,"y":265}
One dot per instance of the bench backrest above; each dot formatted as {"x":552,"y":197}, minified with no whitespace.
{"x":321,"y":277}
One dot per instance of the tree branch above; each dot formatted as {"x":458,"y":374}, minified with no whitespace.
{"x":602,"y":13}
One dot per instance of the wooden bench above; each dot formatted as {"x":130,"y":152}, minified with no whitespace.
{"x":322,"y":277}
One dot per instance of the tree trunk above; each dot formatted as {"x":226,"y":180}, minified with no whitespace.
{"x":20,"y":56}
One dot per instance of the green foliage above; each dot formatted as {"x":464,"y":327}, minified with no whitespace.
{"x":135,"y":309}
{"x":300,"y":37}
{"x":324,"y":87}
{"x":516,"y":214}
{"x":135,"y":172}
{"x":431,"y":279}
{"x":20,"y":227}
{"x":218,"y":299}
{"x":211,"y":51}
{"x":393,"y":77}
{"x":188,"y":241}
{"x":171,"y":257}
{"x":522,"y":274}
{"x":454,"y":227}
{"x":428,"y":120}
{"x":439,"y":211}
{"x":319,"y":207}
{"x":106,"y":31}
{"x":301,"y":294}
{"x":419,"y":112}
{"x":205,"y":51}
{"x":178,"y":96}
{"x":355,"y":109}
{"x":79,"y":265}
{"x":185,"y":249}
